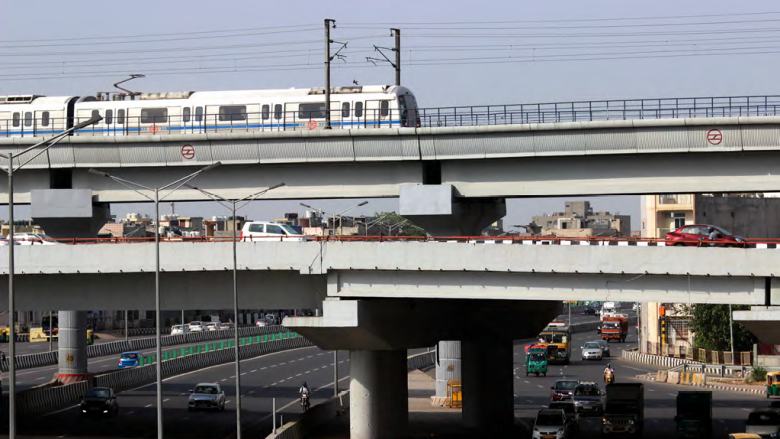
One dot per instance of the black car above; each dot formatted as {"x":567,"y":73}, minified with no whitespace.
{"x":99,"y":401}
{"x":589,"y":310}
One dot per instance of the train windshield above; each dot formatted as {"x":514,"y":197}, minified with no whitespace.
{"x":407,"y":106}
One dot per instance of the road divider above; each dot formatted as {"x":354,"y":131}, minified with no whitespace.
{"x":38,"y":401}
{"x":117,"y":347}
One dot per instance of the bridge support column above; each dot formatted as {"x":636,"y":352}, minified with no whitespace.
{"x":72,"y":346}
{"x":434,"y":208}
{"x":68,"y":213}
{"x":488,"y":394}
{"x":378,"y":389}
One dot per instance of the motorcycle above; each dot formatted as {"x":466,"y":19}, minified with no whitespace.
{"x":609,"y":377}
{"x":305,"y":402}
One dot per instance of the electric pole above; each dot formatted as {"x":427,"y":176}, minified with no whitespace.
{"x":328,"y":23}
{"x":397,"y":49}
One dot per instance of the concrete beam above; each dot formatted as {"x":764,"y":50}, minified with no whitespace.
{"x":762,"y":321}
{"x":391,"y":324}
{"x":544,"y":286}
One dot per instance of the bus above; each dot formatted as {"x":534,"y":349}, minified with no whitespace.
{"x":556,"y":338}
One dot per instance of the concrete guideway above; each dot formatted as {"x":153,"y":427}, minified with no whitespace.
{"x":294,"y":274}
{"x":597,"y":158}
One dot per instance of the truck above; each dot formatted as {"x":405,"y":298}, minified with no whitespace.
{"x":694,"y":415}
{"x":614,"y":327}
{"x":556,"y":338}
{"x":624,"y":410}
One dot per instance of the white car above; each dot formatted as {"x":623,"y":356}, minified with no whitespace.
{"x":551,"y":423}
{"x":4,"y":243}
{"x":226,"y":326}
{"x":179,"y":329}
{"x":212,"y":326}
{"x":34,"y":239}
{"x":196,"y":326}
{"x":260,"y":322}
{"x":268,"y":231}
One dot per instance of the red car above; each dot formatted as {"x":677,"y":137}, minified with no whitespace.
{"x":562,"y":390}
{"x":691,"y":235}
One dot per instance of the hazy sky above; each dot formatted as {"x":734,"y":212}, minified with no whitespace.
{"x":454,"y":53}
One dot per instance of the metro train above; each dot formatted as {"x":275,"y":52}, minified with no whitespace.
{"x":352,"y":107}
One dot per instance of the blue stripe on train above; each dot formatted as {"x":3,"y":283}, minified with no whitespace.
{"x":210,"y":128}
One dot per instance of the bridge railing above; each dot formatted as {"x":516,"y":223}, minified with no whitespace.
{"x":504,"y":239}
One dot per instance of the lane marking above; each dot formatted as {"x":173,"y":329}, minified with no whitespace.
{"x":253,"y":371}
{"x":165,"y":400}
{"x":130,"y":413}
{"x":148,"y":405}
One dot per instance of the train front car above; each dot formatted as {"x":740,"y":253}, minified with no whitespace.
{"x":34,"y":115}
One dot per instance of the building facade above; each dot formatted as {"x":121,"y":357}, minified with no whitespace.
{"x":579,"y":220}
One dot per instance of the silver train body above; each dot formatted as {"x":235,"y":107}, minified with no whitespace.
{"x":354,"y":107}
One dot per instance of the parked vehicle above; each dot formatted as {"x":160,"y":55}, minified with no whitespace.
{"x":562,"y":390}
{"x":588,"y":398}
{"x":592,"y":351}
{"x":624,"y":409}
{"x":764,"y":422}
{"x":206,"y":396}
{"x":99,"y":401}
{"x":269,"y":231}
{"x":131,"y":359}
{"x":614,"y":328}
{"x":34,"y":239}
{"x":550,"y":423}
{"x":692,"y":235}
{"x":572,"y":418}
{"x":180,"y":329}
{"x":694,"y":414}
{"x":536,"y":361}
{"x":772,"y":384}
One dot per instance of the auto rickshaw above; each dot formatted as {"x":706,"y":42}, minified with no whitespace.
{"x":536,"y":361}
{"x":772,"y":384}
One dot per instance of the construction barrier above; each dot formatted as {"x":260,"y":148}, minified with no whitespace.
{"x":137,"y":344}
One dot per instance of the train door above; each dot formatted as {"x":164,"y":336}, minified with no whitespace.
{"x":44,"y":124}
{"x":377,"y":113}
{"x":192,"y":119}
{"x":358,"y":119}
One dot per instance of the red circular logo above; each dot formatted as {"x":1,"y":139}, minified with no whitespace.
{"x":188,"y":152}
{"x":312,"y":124}
{"x":714,"y":137}
{"x":154,"y":129}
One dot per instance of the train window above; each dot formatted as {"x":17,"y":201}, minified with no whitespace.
{"x":230,"y":113}
{"x":384,"y":108}
{"x":17,"y":119}
{"x":198,"y":114}
{"x":186,"y":114}
{"x":45,"y":118}
{"x":312,"y":111}
{"x":266,"y":111}
{"x":278,"y":111}
{"x":120,"y":117}
{"x":109,"y":117}
{"x":28,"y":119}
{"x":358,"y":109}
{"x":345,"y":110}
{"x":154,"y":115}
{"x":95,"y":113}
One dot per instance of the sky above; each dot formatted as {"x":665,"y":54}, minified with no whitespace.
{"x":453,"y":54}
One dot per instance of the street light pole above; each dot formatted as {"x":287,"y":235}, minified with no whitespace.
{"x":237,"y":351}
{"x":731,"y":333}
{"x":11,"y":263}
{"x":158,"y":314}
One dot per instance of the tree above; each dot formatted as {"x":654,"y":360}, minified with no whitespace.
{"x":393,"y":224}
{"x":711,"y":325}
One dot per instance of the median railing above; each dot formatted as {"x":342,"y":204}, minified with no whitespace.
{"x":699,"y":355}
{"x":117,"y":347}
{"x":36,"y":401}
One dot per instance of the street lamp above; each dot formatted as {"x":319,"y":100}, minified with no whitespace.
{"x":135,"y":187}
{"x":248,"y":199}
{"x":11,"y":311}
{"x":334,"y":215}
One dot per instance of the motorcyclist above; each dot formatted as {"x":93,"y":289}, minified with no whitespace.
{"x":608,"y":371}
{"x":304,"y":391}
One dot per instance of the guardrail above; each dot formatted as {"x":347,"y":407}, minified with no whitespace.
{"x":324,"y":412}
{"x":116,"y":347}
{"x":700,"y":355}
{"x":37,"y":401}
{"x":504,"y":239}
